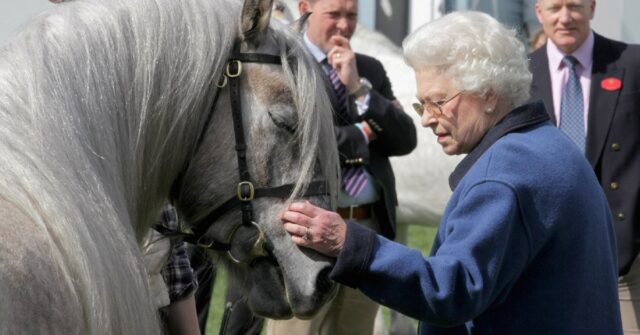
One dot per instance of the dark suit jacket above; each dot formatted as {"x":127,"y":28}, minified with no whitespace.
{"x":395,"y":135}
{"x":613,"y":133}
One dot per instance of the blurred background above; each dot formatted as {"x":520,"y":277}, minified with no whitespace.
{"x":396,"y":18}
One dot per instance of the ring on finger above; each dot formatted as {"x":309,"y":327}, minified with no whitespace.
{"x":337,"y":55}
{"x":306,"y":236}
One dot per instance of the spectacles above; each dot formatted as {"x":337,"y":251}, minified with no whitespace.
{"x":434,"y":108}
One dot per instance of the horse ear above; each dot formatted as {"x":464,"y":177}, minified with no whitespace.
{"x":298,"y":25}
{"x":255,"y":21}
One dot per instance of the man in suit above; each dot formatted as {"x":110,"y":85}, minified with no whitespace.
{"x":370,"y":126}
{"x":609,"y":83}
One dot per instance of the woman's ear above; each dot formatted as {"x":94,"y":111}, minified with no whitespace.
{"x":491,"y":99}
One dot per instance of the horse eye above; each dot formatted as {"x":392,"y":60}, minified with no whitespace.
{"x":283,"y":123}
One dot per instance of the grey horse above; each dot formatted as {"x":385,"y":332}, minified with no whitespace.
{"x":104,"y":105}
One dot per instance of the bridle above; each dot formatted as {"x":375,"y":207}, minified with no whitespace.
{"x":246,"y":191}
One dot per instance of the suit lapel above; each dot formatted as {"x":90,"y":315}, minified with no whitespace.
{"x":541,"y":84}
{"x":602,"y":103}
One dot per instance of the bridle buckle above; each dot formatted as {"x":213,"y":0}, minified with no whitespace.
{"x":238,"y":69}
{"x":245,"y":191}
{"x":222,"y":82}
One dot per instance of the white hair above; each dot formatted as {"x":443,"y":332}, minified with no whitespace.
{"x":101,"y":105}
{"x":98,"y":100}
{"x":314,"y":128}
{"x":478,"y":53}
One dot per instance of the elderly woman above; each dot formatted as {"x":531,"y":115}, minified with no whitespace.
{"x":525,"y":245}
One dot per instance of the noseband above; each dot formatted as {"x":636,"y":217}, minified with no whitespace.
{"x":246,"y":191}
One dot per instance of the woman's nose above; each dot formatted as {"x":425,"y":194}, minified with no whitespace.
{"x":427,"y":120}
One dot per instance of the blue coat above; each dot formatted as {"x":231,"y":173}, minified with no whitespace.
{"x":525,"y":246}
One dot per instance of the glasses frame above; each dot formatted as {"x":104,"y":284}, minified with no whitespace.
{"x":434,"y":108}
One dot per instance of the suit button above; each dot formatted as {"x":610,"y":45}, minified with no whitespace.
{"x":615,"y":147}
{"x":620,"y":216}
{"x":614,"y":185}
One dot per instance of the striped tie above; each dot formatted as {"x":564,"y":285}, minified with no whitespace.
{"x":339,"y":89}
{"x":354,"y":179}
{"x":572,"y":105}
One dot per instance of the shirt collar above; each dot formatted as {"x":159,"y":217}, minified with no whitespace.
{"x":316,"y":52}
{"x":519,"y":118}
{"x":584,"y":54}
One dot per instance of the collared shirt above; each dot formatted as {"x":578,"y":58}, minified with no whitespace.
{"x":319,"y":56}
{"x":177,"y":273}
{"x":560,"y":73}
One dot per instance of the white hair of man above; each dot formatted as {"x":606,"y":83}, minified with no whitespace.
{"x":476,"y":52}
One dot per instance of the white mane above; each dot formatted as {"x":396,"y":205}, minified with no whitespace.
{"x":101,"y":106}
{"x":97,"y":100}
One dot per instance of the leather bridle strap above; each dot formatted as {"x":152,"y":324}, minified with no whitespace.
{"x":200,"y":227}
{"x":234,"y":69}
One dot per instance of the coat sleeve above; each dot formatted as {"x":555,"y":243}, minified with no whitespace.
{"x":394,"y":129}
{"x":479,"y":256}
{"x":352,"y":144}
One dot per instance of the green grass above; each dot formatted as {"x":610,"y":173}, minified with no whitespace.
{"x":419,"y":237}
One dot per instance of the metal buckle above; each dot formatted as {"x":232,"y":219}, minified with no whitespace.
{"x":204,"y":245}
{"x":237,"y":74}
{"x":256,"y":251}
{"x":240,"y":189}
{"x":222,"y":82}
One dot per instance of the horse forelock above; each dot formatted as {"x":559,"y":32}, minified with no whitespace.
{"x":314,"y":130}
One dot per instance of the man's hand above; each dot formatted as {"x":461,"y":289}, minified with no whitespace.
{"x":314,"y":227}
{"x":343,"y":59}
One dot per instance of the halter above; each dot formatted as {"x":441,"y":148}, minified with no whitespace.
{"x":245,"y":189}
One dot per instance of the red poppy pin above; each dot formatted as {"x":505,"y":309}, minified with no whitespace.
{"x":611,"y":84}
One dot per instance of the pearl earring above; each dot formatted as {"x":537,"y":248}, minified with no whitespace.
{"x":489,"y":110}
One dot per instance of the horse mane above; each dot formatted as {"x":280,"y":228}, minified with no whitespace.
{"x":97,"y":98}
{"x":97,"y":105}
{"x":312,"y":125}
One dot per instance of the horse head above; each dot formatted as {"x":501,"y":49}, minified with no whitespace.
{"x":104,"y":105}
{"x":269,"y":139}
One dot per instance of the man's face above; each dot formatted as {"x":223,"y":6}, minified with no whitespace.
{"x":566,"y":22}
{"x":329,"y":18}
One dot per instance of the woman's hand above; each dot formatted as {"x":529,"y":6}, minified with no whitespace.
{"x":314,"y":227}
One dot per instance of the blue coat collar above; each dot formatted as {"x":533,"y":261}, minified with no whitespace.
{"x":521,"y":117}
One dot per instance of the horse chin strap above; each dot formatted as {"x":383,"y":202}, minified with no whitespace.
{"x":245,"y":190}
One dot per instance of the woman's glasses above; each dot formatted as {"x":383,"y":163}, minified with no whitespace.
{"x":433,"y":108}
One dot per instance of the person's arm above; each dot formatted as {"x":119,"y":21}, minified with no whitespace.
{"x":383,"y":124}
{"x":182,"y":318}
{"x":180,"y":315}
{"x":394,"y":130}
{"x":483,"y":250}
